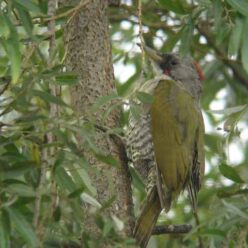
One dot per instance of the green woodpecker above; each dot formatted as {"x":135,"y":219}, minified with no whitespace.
{"x":166,"y":141}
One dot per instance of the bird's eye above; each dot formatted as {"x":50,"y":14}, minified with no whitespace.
{"x":173,"y":62}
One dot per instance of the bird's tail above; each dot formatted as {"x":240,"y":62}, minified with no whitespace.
{"x":148,"y":218}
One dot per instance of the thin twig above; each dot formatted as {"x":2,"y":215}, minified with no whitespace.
{"x":141,"y":33}
{"x":72,"y":11}
{"x":171,"y":229}
{"x":197,"y":220}
{"x":5,"y":87}
{"x":45,"y":153}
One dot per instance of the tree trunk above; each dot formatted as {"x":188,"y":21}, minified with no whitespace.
{"x":88,"y":52}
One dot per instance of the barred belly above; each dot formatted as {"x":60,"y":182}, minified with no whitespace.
{"x":140,"y":146}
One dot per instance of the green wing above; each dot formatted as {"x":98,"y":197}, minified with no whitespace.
{"x":176,"y":125}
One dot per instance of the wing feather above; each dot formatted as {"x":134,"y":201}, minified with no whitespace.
{"x":174,"y":125}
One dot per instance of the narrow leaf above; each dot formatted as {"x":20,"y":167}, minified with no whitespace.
{"x":235,"y":210}
{"x":229,"y":111}
{"x":13,"y":52}
{"x":236,"y":36}
{"x":186,"y":38}
{"x":64,"y":180}
{"x":240,"y":5}
{"x":25,"y":19}
{"x":244,"y":48}
{"x":29,"y":5}
{"x":230,"y":173}
{"x":23,"y":227}
{"x":107,"y":159}
{"x":174,"y":6}
{"x":144,"y":97}
{"x":47,"y":97}
{"x":89,"y":199}
{"x":103,"y":100}
{"x":4,"y":229}
{"x":20,"y":189}
{"x":67,"y":78}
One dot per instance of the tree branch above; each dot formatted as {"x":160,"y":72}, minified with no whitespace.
{"x":171,"y":229}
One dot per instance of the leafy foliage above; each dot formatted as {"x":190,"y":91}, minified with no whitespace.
{"x":213,"y":32}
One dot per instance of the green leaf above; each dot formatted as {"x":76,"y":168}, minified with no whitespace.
{"x":67,"y":78}
{"x":174,"y":6}
{"x":76,"y":193}
{"x":104,"y":100}
{"x":4,"y":30}
{"x":23,"y":227}
{"x":29,"y":6}
{"x":144,"y":97}
{"x":244,"y":47}
{"x":240,"y":5}
{"x":18,"y":169}
{"x":235,"y":210}
{"x":235,"y":38}
{"x":13,"y":52}
{"x":89,"y":199}
{"x":135,"y":111}
{"x":4,"y":229}
{"x":25,"y":19}
{"x":47,"y":97}
{"x":20,"y":189}
{"x":230,"y":173}
{"x":83,"y":177}
{"x":218,"y":10}
{"x":186,"y":38}
{"x":229,"y":111}
{"x":137,"y":181}
{"x":107,"y":159}
{"x":213,"y":231}
{"x":64,"y":180}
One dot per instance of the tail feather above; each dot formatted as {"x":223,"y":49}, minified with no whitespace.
{"x":148,"y":218}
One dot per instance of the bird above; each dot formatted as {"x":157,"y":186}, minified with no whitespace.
{"x":165,"y":142}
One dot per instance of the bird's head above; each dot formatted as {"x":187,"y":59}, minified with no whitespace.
{"x":185,"y":70}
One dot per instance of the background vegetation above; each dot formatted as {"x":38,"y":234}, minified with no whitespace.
{"x":44,"y":181}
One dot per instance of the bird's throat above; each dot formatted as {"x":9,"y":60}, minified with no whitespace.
{"x":167,"y":72}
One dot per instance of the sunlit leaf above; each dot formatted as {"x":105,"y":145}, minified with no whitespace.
{"x":89,"y":199}
{"x":64,"y":180}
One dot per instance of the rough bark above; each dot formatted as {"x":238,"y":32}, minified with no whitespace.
{"x":88,"y":52}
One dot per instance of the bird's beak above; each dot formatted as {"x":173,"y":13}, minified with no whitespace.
{"x":152,"y":54}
